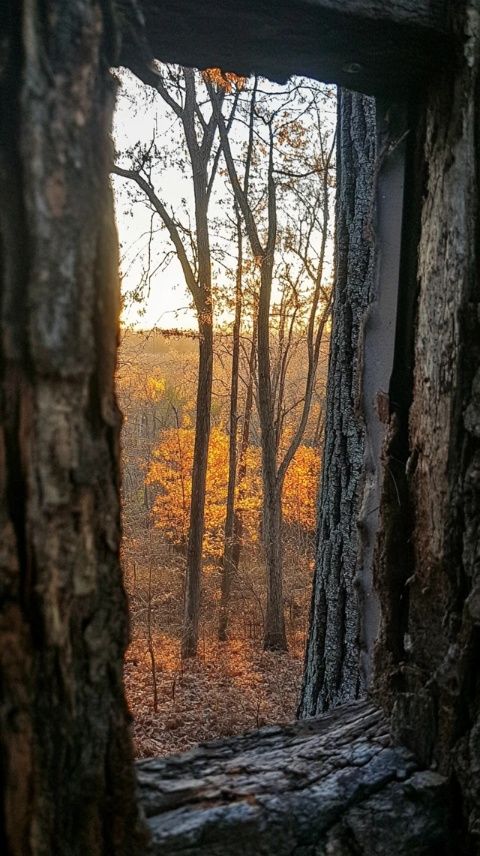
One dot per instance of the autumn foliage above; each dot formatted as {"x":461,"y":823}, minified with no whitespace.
{"x":223,"y":423}
{"x":234,"y":683}
{"x":299,"y":499}
{"x":170,"y":475}
{"x":226,"y":80}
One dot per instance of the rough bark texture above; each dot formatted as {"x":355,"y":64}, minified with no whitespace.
{"x":376,"y":46}
{"x":191,"y":618}
{"x":229,"y":560}
{"x":331,"y":786}
{"x":332,"y":670}
{"x":66,"y":767}
{"x":429,"y":563}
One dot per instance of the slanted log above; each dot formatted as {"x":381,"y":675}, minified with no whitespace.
{"x":373,"y":46}
{"x":332,"y":785}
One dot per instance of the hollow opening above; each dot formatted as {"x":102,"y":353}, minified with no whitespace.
{"x":225,"y":198}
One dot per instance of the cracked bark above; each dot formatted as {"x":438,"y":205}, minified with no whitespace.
{"x":332,"y":667}
{"x":66,"y":782}
{"x":335,"y":785}
{"x":429,"y":558}
{"x":375,"y":46}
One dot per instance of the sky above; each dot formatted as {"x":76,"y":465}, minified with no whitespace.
{"x":140,"y":117}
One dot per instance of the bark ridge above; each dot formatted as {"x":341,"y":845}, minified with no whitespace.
{"x":332,"y":785}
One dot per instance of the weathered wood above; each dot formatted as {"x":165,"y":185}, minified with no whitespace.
{"x":333,"y":785}
{"x":66,"y":770}
{"x":429,"y":566}
{"x":373,"y":46}
{"x":424,"y":13}
{"x":333,"y":673}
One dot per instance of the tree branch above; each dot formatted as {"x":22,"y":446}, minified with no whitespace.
{"x":169,"y":223}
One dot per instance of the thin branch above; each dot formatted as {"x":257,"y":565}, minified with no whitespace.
{"x":169,"y":223}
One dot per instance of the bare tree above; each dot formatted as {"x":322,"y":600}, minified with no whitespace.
{"x":227,"y":565}
{"x":261,"y":219}
{"x":237,"y":472}
{"x":178,"y":88}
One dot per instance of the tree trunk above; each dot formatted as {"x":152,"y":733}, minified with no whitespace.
{"x":198,"y":279}
{"x":237,"y":540}
{"x":199,"y":156}
{"x":66,"y":777}
{"x":275,"y":638}
{"x":230,"y":549}
{"x":332,"y":668}
{"x":428,"y":569}
{"x":199,"y":482}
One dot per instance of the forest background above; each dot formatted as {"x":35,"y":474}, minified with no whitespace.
{"x":224,"y":208}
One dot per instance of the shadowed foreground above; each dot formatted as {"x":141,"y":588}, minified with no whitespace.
{"x":333,"y":785}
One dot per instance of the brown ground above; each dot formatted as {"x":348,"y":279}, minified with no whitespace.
{"x":230,"y":688}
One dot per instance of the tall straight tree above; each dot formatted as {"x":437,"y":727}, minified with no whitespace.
{"x":262,"y":228}
{"x":238,"y":449}
{"x":178,"y":88}
{"x":332,"y":670}
{"x":228,"y":565}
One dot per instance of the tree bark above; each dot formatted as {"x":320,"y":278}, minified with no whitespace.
{"x":332,"y":666}
{"x":228,"y":567}
{"x":275,"y":638}
{"x":428,"y":568}
{"x":376,"y":46}
{"x":199,"y":482}
{"x":66,"y":778}
{"x":335,"y":785}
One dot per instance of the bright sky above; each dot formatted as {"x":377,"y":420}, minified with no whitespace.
{"x":142,"y":116}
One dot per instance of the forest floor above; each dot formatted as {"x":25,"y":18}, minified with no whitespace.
{"x":229,"y":688}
